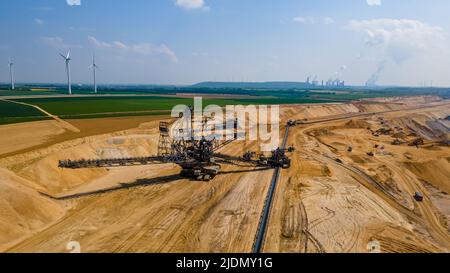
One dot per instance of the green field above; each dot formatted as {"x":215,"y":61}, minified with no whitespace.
{"x":91,"y":107}
{"x":67,"y":107}
{"x":102,"y":107}
{"x":14,"y":113}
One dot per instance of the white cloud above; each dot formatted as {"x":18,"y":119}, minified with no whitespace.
{"x":400,"y":39}
{"x":58,"y":42}
{"x":39,"y":21}
{"x":374,"y":2}
{"x":191,"y":4}
{"x":73,"y":2}
{"x":141,"y":48}
{"x":328,"y":20}
{"x":147,"y":48}
{"x":304,"y":20}
{"x":120,"y":45}
{"x":98,"y":43}
{"x":312,"y":20}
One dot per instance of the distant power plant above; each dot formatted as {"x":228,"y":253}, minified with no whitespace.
{"x":336,"y":82}
{"x":328,"y":83}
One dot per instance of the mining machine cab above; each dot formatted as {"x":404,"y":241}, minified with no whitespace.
{"x":248,"y":156}
{"x":278,"y":158}
{"x":201,"y":171}
{"x":418,"y":197}
{"x":291,"y":123}
{"x":201,"y":164}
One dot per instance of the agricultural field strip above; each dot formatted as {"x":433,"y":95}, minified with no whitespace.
{"x":66,"y":107}
{"x":64,"y":124}
{"x":10,"y":109}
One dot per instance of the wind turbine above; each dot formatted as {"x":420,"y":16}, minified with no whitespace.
{"x":67,"y":59}
{"x":11,"y":72}
{"x":94,"y":67}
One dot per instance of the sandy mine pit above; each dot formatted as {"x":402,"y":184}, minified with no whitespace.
{"x":332,"y":199}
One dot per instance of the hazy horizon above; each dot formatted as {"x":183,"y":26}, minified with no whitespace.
{"x":63,"y":85}
{"x":183,"y":42}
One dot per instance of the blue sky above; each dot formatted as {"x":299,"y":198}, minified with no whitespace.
{"x":391,"y":42}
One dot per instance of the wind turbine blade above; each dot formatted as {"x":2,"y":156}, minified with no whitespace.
{"x":68,"y":55}
{"x":62,"y":55}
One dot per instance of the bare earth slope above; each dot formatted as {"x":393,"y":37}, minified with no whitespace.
{"x":320,"y":205}
{"x":323,"y":205}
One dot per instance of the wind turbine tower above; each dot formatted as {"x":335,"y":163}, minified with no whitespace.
{"x":94,"y":67}
{"x":67,"y":59}
{"x":11,"y":73}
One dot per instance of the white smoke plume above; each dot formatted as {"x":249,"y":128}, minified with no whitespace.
{"x":376,"y":76}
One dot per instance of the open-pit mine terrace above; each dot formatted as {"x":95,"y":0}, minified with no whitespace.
{"x":352,"y":182}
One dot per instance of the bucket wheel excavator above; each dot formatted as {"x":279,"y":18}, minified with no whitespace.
{"x":198,"y":159}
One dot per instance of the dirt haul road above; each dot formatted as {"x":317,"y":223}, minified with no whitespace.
{"x":320,"y":205}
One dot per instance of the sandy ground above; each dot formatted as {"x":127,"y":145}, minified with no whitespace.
{"x":31,"y":136}
{"x":20,"y":136}
{"x":320,"y":205}
{"x":325,"y":206}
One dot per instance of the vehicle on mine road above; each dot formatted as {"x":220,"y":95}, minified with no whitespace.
{"x":418,"y":197}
